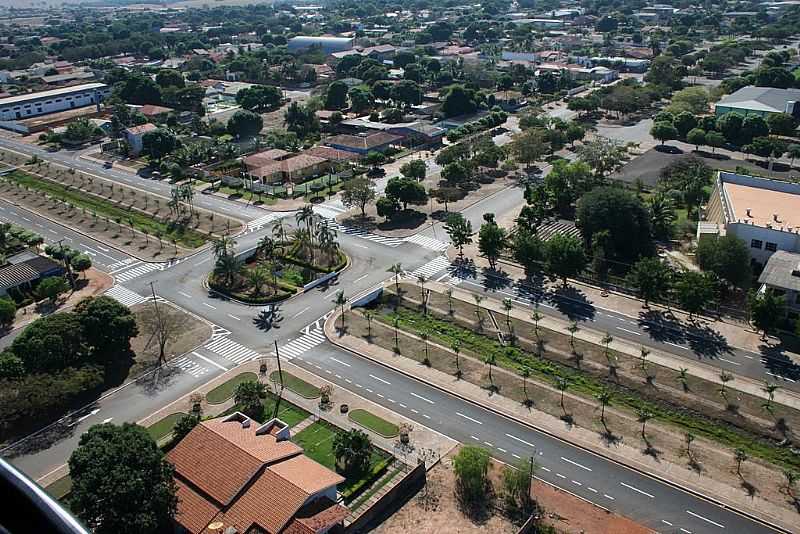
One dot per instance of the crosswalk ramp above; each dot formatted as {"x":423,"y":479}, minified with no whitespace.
{"x":261,"y":222}
{"x":231,"y":350}
{"x":434,"y":266}
{"x":304,"y":343}
{"x":124,"y":295}
{"x":428,"y":242}
{"x":135,"y":270}
{"x":364,"y":234}
{"x":189,"y":366}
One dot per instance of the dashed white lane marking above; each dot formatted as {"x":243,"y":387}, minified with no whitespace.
{"x":729,"y":361}
{"x":359,"y":386}
{"x":340,"y":362}
{"x":415,"y":411}
{"x":426,"y":416}
{"x":380,"y":380}
{"x":634,"y":488}
{"x":517,"y":456}
{"x":666,"y":522}
{"x":421,"y":397}
{"x":403,"y":405}
{"x":607,"y":496}
{"x":748,"y":357}
{"x":209,"y":305}
{"x":529,"y":444}
{"x":301,"y":312}
{"x":707,"y":520}
{"x":676,"y":345}
{"x":360,"y":278}
{"x":468,"y":418}
{"x":591,"y":489}
{"x":488,"y":444}
{"x":575,"y":463}
{"x":380,"y":395}
{"x":473,"y":437}
{"x":346,"y":379}
{"x":233,"y":317}
{"x":369,"y":390}
{"x":501,"y":450}
{"x":686,"y":531}
{"x":634,"y":332}
{"x":576,"y":483}
{"x":559,"y":475}
{"x":545,"y":469}
{"x":338,"y":376}
{"x":185,"y":294}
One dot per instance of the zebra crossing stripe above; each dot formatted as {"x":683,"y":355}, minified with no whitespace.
{"x":124,"y":295}
{"x":122,"y":263}
{"x":231,"y":350}
{"x":428,"y":242}
{"x":189,"y":366}
{"x":135,"y":272}
{"x":326,"y":211}
{"x":256,"y":224}
{"x":364,"y":234}
{"x":432,"y":267}
{"x":302,"y":344}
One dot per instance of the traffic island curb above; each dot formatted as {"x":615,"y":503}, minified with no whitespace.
{"x":332,"y":334}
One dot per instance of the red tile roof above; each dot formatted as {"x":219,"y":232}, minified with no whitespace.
{"x":332,"y":154}
{"x":364,"y":142}
{"x":194,"y":511}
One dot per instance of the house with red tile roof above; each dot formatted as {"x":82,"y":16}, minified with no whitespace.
{"x":236,"y":475}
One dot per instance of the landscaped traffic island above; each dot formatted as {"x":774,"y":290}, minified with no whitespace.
{"x":279,"y":266}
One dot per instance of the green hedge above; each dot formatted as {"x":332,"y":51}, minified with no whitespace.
{"x":375,"y":472}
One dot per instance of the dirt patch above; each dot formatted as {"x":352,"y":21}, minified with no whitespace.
{"x":186,"y":333}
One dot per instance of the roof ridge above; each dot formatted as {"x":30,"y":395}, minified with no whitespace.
{"x":223,"y":436}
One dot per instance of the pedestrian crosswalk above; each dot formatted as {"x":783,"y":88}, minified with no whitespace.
{"x":231,"y":350}
{"x":434,"y":266}
{"x":122,"y":263}
{"x":364,"y":234}
{"x":428,"y":242}
{"x":298,"y":346}
{"x":329,"y":211}
{"x":189,"y":366}
{"x":124,"y":295}
{"x":135,"y":270}
{"x":257,"y":224}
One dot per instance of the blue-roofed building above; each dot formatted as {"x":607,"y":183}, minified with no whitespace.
{"x":329,"y":45}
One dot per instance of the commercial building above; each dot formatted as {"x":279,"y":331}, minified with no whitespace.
{"x":42,"y":103}
{"x":234,"y":475}
{"x":328,"y":45}
{"x":782,"y":276}
{"x":762,"y":101}
{"x":761,"y":212}
{"x":25,"y":270}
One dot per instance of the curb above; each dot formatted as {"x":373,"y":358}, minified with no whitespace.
{"x":515,"y":419}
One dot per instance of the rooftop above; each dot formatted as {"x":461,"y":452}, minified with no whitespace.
{"x":52,"y":92}
{"x":782,"y":271}
{"x":754,"y":202}
{"x":374,"y":140}
{"x":768,"y":99}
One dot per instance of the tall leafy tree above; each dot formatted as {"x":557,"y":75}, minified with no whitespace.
{"x":108,"y":328}
{"x":245,"y":124}
{"x":358,"y":192}
{"x":491,"y":239}
{"x":651,"y":277}
{"x":728,"y":257}
{"x":459,"y":230}
{"x":565,"y":256}
{"x":121,"y":483}
{"x":767,"y":309}
{"x":352,"y":449}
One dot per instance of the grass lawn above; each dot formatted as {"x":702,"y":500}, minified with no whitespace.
{"x":317,"y":442}
{"x":60,"y":488}
{"x":225,"y":391}
{"x":287,"y":412}
{"x":105,"y":208}
{"x":298,"y":385}
{"x":372,"y":422}
{"x":163,"y":427}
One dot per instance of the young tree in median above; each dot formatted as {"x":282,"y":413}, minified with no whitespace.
{"x":358,"y":192}
{"x":565,"y":256}
{"x":715,"y":140}
{"x":459,"y":230}
{"x":664,"y":131}
{"x":491,"y":239}
{"x":471,"y":467}
{"x":651,"y":277}
{"x":121,"y":483}
{"x":81,"y":263}
{"x":767,"y":310}
{"x":517,"y":480}
{"x":696,"y":137}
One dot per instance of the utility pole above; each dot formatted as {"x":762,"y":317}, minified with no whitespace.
{"x":161,"y":334}
{"x":280,"y":377}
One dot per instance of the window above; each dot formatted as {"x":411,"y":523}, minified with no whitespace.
{"x":772,"y":247}
{"x":58,"y":100}
{"x":755,"y":243}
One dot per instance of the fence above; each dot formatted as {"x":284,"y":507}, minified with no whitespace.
{"x":390,"y":501}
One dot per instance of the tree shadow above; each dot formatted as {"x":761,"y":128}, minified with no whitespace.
{"x":407,"y":219}
{"x":463,"y":268}
{"x":572,"y":302}
{"x":778,"y":362}
{"x":748,"y":487}
{"x":494,"y":280}
{"x":668,"y":149}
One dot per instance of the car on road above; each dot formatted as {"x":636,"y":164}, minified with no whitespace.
{"x":108,"y":164}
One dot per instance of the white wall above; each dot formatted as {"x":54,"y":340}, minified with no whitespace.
{"x":52,"y":104}
{"x":747,"y":232}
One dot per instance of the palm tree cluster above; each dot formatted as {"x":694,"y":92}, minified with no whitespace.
{"x":226,"y":265}
{"x":315,"y":233}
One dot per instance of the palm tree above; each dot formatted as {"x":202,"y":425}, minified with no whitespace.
{"x":562,"y":384}
{"x":604,"y":397}
{"x":396,"y":269}
{"x":478,"y":300}
{"x":607,"y":339}
{"x":456,"y":347}
{"x":306,"y":216}
{"x":223,"y":245}
{"x":490,"y":360}
{"x":279,"y":232}
{"x":643,"y":354}
{"x":449,"y":293}
{"x":525,"y":373}
{"x":683,"y":378}
{"x":644,"y":415}
{"x":421,"y":279}
{"x":536,"y":317}
{"x":508,"y":305}
{"x":256,"y":277}
{"x":227,"y":267}
{"x":689,"y":438}
{"x":340,"y":300}
{"x":424,"y":337}
{"x":327,"y":239}
{"x":572,"y":329}
{"x":725,"y":377}
{"x":739,"y":456}
{"x":769,"y":389}
{"x":368,"y":316}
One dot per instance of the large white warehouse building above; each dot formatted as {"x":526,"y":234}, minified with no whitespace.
{"x":45,"y":102}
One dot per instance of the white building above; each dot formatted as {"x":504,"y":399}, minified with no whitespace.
{"x":46,"y":102}
{"x":135,"y":134}
{"x":764,"y":213}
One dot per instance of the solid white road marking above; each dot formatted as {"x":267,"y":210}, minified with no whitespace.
{"x":575,"y":463}
{"x":209,"y":305}
{"x":666,"y":522}
{"x":576,"y":483}
{"x":707,"y":520}
{"x":559,"y":475}
{"x":301,"y":312}
{"x":185,"y":295}
{"x":468,"y":418}
{"x":517,"y":456}
{"x":729,"y":361}
{"x":634,"y":488}
{"x":591,"y":489}
{"x":421,"y":397}
{"x":212,"y":362}
{"x":686,"y":531}
{"x":676,"y":345}
{"x":360,"y":278}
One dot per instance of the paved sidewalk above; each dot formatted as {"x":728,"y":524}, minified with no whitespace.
{"x":622,"y":453}
{"x":737,"y":333}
